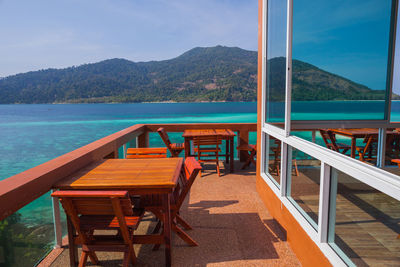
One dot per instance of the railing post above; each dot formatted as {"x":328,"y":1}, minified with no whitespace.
{"x":243,"y":140}
{"x":112,"y":155}
{"x":57,"y":222}
{"x":313,"y":136}
{"x":381,"y":148}
{"x":143,"y":140}
{"x":124,"y":149}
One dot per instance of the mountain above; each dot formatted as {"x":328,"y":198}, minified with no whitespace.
{"x":201,"y":74}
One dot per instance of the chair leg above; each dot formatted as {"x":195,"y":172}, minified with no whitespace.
{"x":93,"y":258}
{"x":219,"y":174}
{"x":295,"y":167}
{"x":83,"y":260}
{"x":185,"y":237}
{"x":182,"y":222}
{"x":132,"y":255}
{"x":125,"y":262}
{"x":157,"y":228}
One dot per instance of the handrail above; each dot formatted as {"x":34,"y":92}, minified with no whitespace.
{"x":236,"y":127}
{"x":21,"y":189}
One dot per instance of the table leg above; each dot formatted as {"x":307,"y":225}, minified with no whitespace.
{"x":73,"y":249}
{"x":231,"y":154}
{"x":187,"y":147}
{"x":227,"y":155}
{"x":353,"y":147}
{"x":167,"y":228}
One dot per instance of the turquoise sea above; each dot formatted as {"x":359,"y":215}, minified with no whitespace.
{"x":33,"y":134}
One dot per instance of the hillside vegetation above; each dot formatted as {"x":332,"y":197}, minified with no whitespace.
{"x":201,"y":74}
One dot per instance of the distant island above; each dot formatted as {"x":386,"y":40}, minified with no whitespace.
{"x":201,"y":74}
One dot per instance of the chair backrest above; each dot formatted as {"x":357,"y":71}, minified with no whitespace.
{"x":371,"y":145}
{"x":207,"y":146}
{"x":189,"y":172}
{"x":164,"y":136}
{"x":147,"y":152}
{"x":329,"y":139}
{"x":207,"y":140}
{"x":79,"y":202}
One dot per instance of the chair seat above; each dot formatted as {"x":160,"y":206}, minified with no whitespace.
{"x":104,"y":222}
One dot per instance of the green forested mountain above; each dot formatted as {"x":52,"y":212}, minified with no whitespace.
{"x":201,"y":74}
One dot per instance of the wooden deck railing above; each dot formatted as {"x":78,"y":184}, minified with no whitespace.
{"x":23,"y":188}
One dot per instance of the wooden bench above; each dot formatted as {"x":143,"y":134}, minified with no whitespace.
{"x":148,"y":152}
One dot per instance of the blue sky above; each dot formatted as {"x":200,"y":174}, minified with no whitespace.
{"x":46,"y":33}
{"x":60,"y":33}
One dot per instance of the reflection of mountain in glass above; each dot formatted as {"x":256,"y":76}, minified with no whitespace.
{"x":311,"y":83}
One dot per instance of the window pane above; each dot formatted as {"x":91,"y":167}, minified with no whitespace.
{"x":273,"y":158}
{"x":303,"y":184}
{"x":276,"y":62}
{"x":364,"y":223}
{"x":395,"y":112}
{"x":340,"y":58}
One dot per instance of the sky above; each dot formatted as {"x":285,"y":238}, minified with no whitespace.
{"x":349,"y":40}
{"x":44,"y":34}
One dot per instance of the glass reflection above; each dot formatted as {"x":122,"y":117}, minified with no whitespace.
{"x":340,"y":59}
{"x":303,"y":184}
{"x":364,"y":223}
{"x":276,"y":62}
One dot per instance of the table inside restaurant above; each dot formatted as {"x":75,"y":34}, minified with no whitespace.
{"x":224,"y":134}
{"x":139,"y":177}
{"x":360,"y":133}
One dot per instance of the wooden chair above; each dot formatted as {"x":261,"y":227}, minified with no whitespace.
{"x":251,"y":154}
{"x":147,"y":152}
{"x":368,"y":152}
{"x":101,"y":210}
{"x":276,"y":154}
{"x":153,"y":203}
{"x":330,"y":142}
{"x":174,"y":148}
{"x":207,"y":149}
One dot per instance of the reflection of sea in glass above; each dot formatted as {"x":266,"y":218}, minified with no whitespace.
{"x":342,"y":57}
{"x":276,"y":61}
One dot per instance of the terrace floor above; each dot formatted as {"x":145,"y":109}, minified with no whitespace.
{"x":230,"y":223}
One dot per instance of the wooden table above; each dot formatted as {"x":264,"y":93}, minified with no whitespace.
{"x":138,"y":176}
{"x":224,"y":134}
{"x":359,"y":133}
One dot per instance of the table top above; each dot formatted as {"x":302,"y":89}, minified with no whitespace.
{"x":361,"y":132}
{"x":209,"y":132}
{"x":126,"y":174}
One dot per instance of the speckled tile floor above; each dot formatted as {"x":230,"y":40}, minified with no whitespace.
{"x":230,"y":223}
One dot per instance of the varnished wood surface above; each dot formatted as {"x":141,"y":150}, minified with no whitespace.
{"x":208,"y":132}
{"x":126,"y":174}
